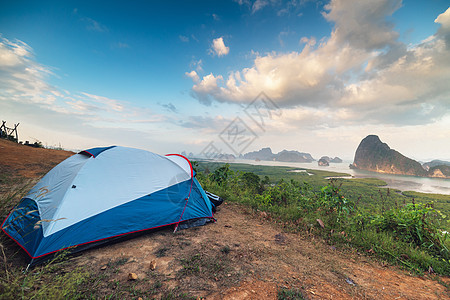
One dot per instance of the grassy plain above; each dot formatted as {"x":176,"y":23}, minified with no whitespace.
{"x":370,"y":193}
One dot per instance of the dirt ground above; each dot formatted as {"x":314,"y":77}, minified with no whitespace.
{"x":241,"y":256}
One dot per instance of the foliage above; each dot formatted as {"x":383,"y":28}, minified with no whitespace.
{"x":289,"y":294}
{"x":50,"y":281}
{"x":417,"y":224}
{"x":220,"y":175}
{"x":356,"y":213}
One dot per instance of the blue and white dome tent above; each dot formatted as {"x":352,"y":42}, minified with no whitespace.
{"x":104,"y":193}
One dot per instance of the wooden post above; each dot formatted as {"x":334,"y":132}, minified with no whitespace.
{"x":3,"y":130}
{"x":15,"y":129}
{"x":7,"y":132}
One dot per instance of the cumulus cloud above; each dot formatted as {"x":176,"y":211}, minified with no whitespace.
{"x":218,"y":47}
{"x":361,"y":68}
{"x":193,"y":75}
{"x":444,"y":32}
{"x":206,"y":89}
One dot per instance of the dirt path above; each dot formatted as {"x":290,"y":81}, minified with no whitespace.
{"x":256,"y":260}
{"x":241,"y":256}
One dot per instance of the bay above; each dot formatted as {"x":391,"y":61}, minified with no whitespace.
{"x":400,"y":182}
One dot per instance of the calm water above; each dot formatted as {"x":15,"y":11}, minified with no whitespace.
{"x":400,"y":182}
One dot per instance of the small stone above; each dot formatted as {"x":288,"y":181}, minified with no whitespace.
{"x":132,"y":276}
{"x":229,"y":275}
{"x":320,"y":223}
{"x":103,"y":268}
{"x":153,"y":265}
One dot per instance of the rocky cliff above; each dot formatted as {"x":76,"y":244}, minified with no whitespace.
{"x":323,"y":162}
{"x":374,"y":155}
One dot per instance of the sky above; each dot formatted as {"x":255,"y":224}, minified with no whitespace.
{"x":213,"y":77}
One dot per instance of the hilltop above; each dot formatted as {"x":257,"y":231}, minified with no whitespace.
{"x":244,"y":255}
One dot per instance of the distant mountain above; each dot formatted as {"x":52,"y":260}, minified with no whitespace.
{"x":285,"y":156}
{"x":224,"y":156}
{"x":440,"y":171}
{"x":435,"y":163}
{"x":293,"y":156}
{"x":374,"y":155}
{"x":335,"y":160}
{"x":324,"y":161}
{"x":263,"y":154}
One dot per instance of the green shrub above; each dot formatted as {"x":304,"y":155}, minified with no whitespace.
{"x":410,"y":234}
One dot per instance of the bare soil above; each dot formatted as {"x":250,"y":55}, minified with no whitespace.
{"x":243,"y":255}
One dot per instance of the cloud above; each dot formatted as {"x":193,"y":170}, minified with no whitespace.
{"x":93,"y":25}
{"x":258,"y":5}
{"x":197,"y":65}
{"x":193,"y":75}
{"x":206,"y":124}
{"x":121,"y":45}
{"x":183,"y":38}
{"x":24,"y":83}
{"x":21,"y":77}
{"x":282,"y":8}
{"x":280,"y":37}
{"x":361,"y":68}
{"x":207,"y":88}
{"x":444,"y":30}
{"x":170,"y":107}
{"x":364,"y":26}
{"x":109,"y":104}
{"x":215,"y":17}
{"x":242,"y":2}
{"x":444,"y":20}
{"x":218,"y":47}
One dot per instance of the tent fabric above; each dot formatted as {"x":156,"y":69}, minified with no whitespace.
{"x":113,"y":191}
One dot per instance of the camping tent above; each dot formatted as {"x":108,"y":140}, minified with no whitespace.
{"x":104,"y":193}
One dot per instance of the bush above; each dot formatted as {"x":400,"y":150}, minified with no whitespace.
{"x":410,"y":235}
{"x":416,"y":224}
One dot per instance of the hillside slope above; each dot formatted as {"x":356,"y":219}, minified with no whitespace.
{"x":241,"y":256}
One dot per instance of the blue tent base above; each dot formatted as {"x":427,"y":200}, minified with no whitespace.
{"x":78,"y":250}
{"x":195,"y":223}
